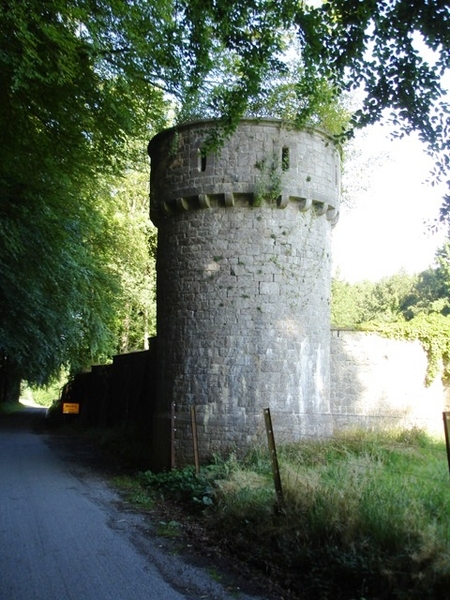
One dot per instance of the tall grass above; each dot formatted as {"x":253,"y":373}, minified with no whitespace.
{"x":369,"y":515}
{"x":364,"y":516}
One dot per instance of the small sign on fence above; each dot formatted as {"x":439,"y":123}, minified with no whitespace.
{"x":70,"y":408}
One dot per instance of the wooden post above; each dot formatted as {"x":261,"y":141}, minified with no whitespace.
{"x":195,"y":439}
{"x":446,"y":417}
{"x":273,"y":455}
{"x":173,"y":429}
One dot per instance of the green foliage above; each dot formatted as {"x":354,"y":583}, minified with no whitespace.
{"x":432,"y":330}
{"x":363,"y":513}
{"x":10,"y":408}
{"x":389,"y":297}
{"x":134,"y":492}
{"x":344,"y":45}
{"x":133,"y":256}
{"x":384,"y":301}
{"x":268,"y":185}
{"x":45,"y":395}
{"x":432,"y":291}
{"x":370,"y":505}
{"x":68,"y":114}
{"x":347,"y":303}
{"x":376,"y":46}
{"x":284,"y":91}
{"x":182,"y":485}
{"x":83,"y":86}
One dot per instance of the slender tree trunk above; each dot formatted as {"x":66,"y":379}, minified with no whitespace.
{"x":125,"y":337}
{"x":9,"y":381}
{"x":146,"y":334}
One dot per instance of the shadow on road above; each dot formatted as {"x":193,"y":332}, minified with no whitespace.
{"x":25,"y":417}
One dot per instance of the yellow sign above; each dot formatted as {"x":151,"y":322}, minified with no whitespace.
{"x":71,"y":408}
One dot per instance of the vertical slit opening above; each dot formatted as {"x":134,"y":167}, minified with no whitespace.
{"x":285,"y":158}
{"x":201,"y":161}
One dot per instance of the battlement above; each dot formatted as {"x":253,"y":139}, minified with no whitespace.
{"x":263,"y":163}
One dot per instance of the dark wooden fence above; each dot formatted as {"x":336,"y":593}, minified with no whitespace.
{"x":121,"y":393}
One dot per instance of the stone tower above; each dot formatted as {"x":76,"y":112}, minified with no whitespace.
{"x":243,"y":282}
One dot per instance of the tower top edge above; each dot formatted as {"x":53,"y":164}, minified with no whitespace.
{"x":263,"y":122}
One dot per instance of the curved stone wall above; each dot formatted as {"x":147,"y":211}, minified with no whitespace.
{"x":244,"y":281}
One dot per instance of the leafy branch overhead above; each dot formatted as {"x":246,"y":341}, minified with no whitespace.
{"x":228,"y":58}
{"x":396,"y":52}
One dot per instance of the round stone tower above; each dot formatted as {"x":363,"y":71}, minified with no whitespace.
{"x":243,"y":282}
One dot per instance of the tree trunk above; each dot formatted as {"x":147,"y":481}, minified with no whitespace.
{"x":9,"y":381}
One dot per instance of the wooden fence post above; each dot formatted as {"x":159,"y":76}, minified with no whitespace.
{"x":195,"y":439}
{"x":173,"y":429}
{"x":273,"y":455}
{"x":446,"y":417}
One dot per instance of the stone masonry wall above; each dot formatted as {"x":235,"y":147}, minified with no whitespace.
{"x":378,"y":382}
{"x":244,"y":282}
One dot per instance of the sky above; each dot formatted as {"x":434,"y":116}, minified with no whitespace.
{"x":385,"y":228}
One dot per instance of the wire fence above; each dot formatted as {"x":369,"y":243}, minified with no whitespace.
{"x":435,"y":450}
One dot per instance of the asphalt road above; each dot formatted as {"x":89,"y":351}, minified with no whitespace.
{"x":65,"y":535}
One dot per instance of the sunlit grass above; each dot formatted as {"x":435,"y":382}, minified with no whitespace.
{"x":364,"y":515}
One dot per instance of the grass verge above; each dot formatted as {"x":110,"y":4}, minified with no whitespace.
{"x":9,"y":408}
{"x":364,"y":516}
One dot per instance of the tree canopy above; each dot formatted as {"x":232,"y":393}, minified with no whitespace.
{"x":69,"y":127}
{"x":93,"y":62}
{"x":398,"y":52}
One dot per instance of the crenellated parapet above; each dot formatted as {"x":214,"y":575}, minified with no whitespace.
{"x":262,"y":163}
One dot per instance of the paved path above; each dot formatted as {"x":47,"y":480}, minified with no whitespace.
{"x":65,"y":536}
